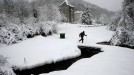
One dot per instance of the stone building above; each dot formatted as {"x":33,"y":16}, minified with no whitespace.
{"x":68,"y":11}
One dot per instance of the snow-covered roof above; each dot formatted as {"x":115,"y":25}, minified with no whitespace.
{"x":67,"y":3}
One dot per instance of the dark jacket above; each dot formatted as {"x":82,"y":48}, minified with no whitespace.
{"x":82,"y":34}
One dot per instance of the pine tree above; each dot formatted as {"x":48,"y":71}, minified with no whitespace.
{"x":86,"y":17}
{"x":124,"y":35}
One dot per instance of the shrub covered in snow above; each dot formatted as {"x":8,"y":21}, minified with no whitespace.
{"x":5,"y":68}
{"x":43,"y":28}
{"x":6,"y":37}
{"x":13,"y":33}
{"x":16,"y":31}
{"x":47,"y":28}
{"x":28,"y":30}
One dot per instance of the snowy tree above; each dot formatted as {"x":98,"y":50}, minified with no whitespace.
{"x":115,"y":20}
{"x":124,"y":35}
{"x":86,"y":17}
{"x":15,"y":9}
{"x":22,"y":10}
{"x":105,"y":19}
{"x":50,"y":12}
{"x":8,"y":7}
{"x":35,"y":11}
{"x":21,"y":20}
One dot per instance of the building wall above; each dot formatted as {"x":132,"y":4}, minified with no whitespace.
{"x":68,"y":12}
{"x":72,"y":14}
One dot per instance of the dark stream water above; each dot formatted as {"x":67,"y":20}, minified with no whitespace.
{"x":86,"y":52}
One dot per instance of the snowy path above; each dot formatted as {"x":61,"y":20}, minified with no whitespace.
{"x":113,"y":61}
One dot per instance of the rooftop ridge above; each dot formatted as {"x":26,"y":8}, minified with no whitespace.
{"x":67,"y":2}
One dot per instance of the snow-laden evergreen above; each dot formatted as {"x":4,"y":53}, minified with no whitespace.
{"x":115,"y":20}
{"x":124,"y":35}
{"x":86,"y":17}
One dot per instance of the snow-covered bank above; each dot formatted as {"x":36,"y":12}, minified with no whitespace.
{"x":113,"y":61}
{"x":47,"y":49}
{"x":38,"y":50}
{"x":63,"y":64}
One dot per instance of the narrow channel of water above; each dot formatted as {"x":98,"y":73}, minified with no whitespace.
{"x":86,"y":52}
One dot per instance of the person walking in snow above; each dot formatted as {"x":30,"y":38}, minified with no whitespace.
{"x":81,"y":35}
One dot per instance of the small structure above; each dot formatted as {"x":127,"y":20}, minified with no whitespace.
{"x":68,"y":11}
{"x":62,"y":35}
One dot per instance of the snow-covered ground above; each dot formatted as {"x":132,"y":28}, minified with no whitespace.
{"x":113,"y":61}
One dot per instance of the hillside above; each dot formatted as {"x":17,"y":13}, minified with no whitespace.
{"x":81,"y":5}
